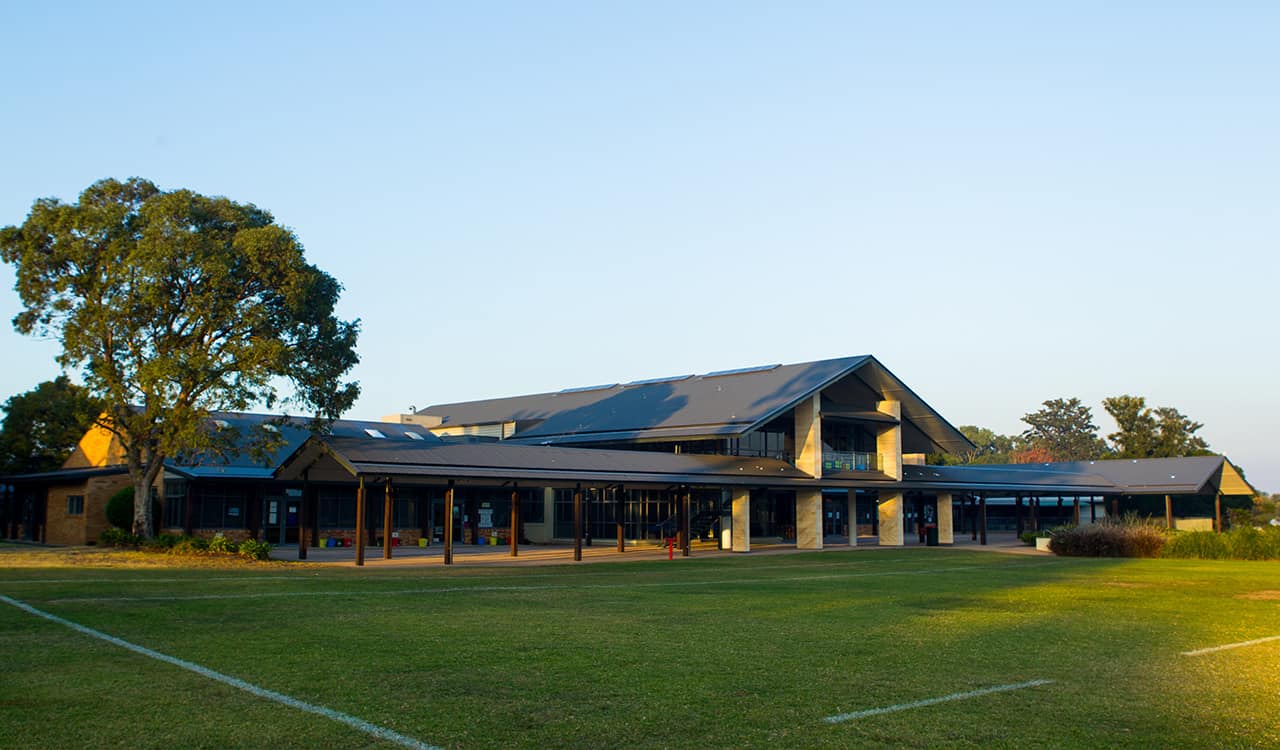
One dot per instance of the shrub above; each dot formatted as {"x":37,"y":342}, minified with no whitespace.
{"x":220,"y":543}
{"x":255,"y":550}
{"x":1249,"y":543}
{"x":190,"y":545}
{"x":163,"y":542}
{"x":1028,"y":537}
{"x":114,"y":537}
{"x":1204,"y":545}
{"x":1130,"y":537}
{"x":120,"y":509}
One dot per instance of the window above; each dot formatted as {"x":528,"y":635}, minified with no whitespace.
{"x":412,"y":435}
{"x":532,"y":509}
{"x":374,"y":433}
{"x":75,"y":505}
{"x":222,"y":508}
{"x":337,"y":508}
{"x":175,"y":501}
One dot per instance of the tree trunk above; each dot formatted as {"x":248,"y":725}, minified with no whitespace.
{"x":143,"y":523}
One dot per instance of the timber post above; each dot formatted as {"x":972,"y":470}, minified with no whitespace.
{"x":515,"y":520}
{"x":619,"y":512}
{"x":448,"y":524}
{"x":387,"y":520}
{"x":577,"y":523}
{"x":982,"y":512}
{"x":360,"y":522}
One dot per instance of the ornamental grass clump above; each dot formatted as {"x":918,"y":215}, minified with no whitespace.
{"x":1201,"y":545}
{"x":1240,"y":543}
{"x":1128,"y":537}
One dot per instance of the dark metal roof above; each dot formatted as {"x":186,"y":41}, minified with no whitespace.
{"x":1188,"y":475}
{"x":1021,"y":477}
{"x":736,"y":401}
{"x":505,"y":461}
{"x":742,"y":399}
{"x":294,"y":433}
{"x":66,"y":474}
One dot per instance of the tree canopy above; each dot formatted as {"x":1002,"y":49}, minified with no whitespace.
{"x":174,"y":304}
{"x":1064,"y":430}
{"x":43,"y":425}
{"x":1144,"y":432}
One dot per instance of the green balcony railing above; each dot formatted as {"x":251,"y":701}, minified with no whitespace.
{"x":849,"y":461}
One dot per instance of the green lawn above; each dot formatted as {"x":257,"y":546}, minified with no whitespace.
{"x":719,"y":653}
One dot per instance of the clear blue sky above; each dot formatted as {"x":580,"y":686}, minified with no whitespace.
{"x":1003,"y":202}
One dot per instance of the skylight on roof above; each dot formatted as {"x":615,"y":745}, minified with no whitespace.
{"x":374,"y":433}
{"x":271,"y":428}
{"x":221,"y":424}
{"x":655,"y":381}
{"x":585,"y":388}
{"x":413,"y":435}
{"x":741,"y":371}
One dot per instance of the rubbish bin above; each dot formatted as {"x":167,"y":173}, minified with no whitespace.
{"x":931,"y":535}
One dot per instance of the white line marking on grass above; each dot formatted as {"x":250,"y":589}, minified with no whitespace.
{"x":1241,"y":644}
{"x":515,"y":588}
{"x":933,"y":701}
{"x":329,"y":713}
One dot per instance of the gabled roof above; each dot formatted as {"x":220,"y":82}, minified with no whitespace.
{"x":331,"y":458}
{"x":718,"y":404}
{"x":1189,"y":475}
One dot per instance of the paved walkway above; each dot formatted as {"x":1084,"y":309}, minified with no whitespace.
{"x":560,"y":554}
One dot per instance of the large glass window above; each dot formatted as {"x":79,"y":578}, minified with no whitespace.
{"x":336,"y":507}
{"x":222,"y":508}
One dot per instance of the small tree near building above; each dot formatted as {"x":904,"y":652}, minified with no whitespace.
{"x":174,"y":304}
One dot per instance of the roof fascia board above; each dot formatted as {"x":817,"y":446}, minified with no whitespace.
{"x":925,"y":404}
{"x":770,"y":416}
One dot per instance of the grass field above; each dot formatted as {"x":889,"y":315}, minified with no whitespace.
{"x":713,"y":652}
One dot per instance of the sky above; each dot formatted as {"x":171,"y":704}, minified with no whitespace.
{"x":1003,"y":202}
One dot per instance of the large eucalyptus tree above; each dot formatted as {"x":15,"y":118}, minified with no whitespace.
{"x":173,"y":304}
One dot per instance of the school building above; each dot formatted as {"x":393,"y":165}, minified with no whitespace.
{"x":810,"y":454}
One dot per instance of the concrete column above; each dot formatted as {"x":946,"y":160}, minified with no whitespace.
{"x":889,"y":441}
{"x":851,"y":513}
{"x":889,"y":510}
{"x":945,"y":533}
{"x":809,"y":436}
{"x":809,"y":519}
{"x":741,"y":536}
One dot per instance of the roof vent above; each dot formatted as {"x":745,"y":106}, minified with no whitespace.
{"x":374,"y":433}
{"x":655,"y":381}
{"x":586,"y":388}
{"x":741,"y":371}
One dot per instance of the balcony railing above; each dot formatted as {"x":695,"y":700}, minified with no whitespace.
{"x":849,"y":461}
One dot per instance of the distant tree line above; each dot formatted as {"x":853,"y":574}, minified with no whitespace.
{"x":1063,"y":430}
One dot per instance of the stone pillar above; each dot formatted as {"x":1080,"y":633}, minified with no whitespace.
{"x":945,"y":533}
{"x":851,"y":513}
{"x":741,"y":536}
{"x":889,"y":441}
{"x":808,"y":519}
{"x":889,"y":509}
{"x":808,"y":446}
